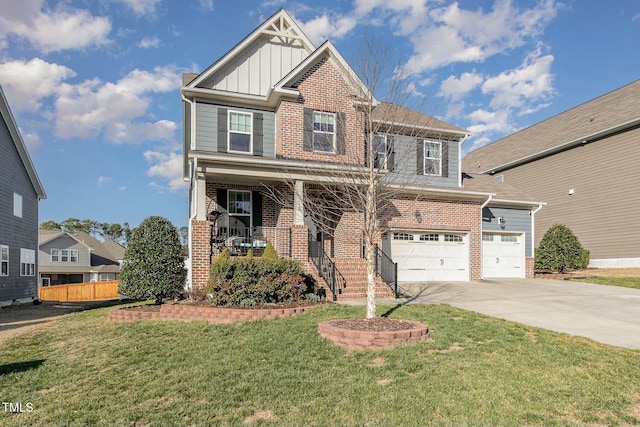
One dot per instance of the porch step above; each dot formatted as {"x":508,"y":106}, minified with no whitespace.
{"x":354,"y":272}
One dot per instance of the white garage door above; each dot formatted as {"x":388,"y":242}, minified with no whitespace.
{"x":429,"y":256}
{"x":503,"y":255}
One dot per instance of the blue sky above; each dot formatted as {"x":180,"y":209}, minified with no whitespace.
{"x":95,"y":84}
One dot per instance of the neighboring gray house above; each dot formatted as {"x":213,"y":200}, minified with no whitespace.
{"x":584,"y":164}
{"x":20,"y":191}
{"x":77,"y":258}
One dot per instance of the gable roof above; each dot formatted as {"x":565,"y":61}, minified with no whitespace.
{"x":280,"y":25}
{"x":610,"y":113}
{"x":16,"y":137}
{"x":502,"y":193}
{"x":397,"y":116}
{"x":109,"y":250}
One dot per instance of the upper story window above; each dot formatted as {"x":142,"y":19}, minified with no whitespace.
{"x":240,"y":131}
{"x":432,"y":158}
{"x":324,"y":131}
{"x":4,"y":260}
{"x":64,"y":255}
{"x":381,"y":151}
{"x":17,"y":205}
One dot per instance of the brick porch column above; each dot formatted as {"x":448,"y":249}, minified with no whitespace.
{"x":200,"y":250}
{"x":300,"y":242}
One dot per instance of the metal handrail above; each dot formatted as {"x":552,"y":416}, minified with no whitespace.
{"x":325,"y":266}
{"x":386,"y":269}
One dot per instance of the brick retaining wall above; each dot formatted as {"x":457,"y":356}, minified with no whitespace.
{"x":350,"y":339}
{"x":209,"y":314}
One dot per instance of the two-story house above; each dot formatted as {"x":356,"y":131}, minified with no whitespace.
{"x":277,"y":119}
{"x":20,"y":191}
{"x":67,"y":258}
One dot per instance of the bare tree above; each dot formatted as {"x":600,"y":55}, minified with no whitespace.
{"x":369,"y":184}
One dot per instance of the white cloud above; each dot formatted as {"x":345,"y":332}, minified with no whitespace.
{"x":168,"y":166}
{"x":206,"y":5}
{"x":52,"y":30}
{"x":450,"y":34}
{"x":326,"y":27}
{"x":456,"y":88}
{"x":149,"y":43}
{"x":26,"y":83}
{"x":31,"y":140}
{"x":118,"y":110}
{"x":103,"y":180}
{"x":529,"y":83}
{"x":143,"y":7}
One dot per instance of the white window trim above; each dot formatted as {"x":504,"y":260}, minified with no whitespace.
{"x":385,"y":156}
{"x":3,"y":260}
{"x":57,"y":255}
{"x":229,"y":131}
{"x":314,"y":132}
{"x":425,"y":158}
{"x":17,"y":205}
{"x":241,"y":214}
{"x":27,"y":262}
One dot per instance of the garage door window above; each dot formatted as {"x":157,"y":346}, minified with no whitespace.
{"x":452,"y":238}
{"x":487,"y":237}
{"x":430,"y":237}
{"x":512,"y":239}
{"x":402,"y":236}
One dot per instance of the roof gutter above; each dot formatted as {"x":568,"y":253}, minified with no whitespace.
{"x":562,"y":147}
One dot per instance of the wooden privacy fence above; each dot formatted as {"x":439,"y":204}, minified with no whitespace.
{"x":80,"y":292}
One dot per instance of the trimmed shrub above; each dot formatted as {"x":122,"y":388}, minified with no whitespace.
{"x":270,"y":253}
{"x":249,"y":281}
{"x":153,"y":265}
{"x":560,"y":250}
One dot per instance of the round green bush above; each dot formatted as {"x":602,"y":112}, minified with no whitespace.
{"x":560,"y":250}
{"x":153,"y":264}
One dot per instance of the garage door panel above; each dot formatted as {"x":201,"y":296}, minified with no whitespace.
{"x":429,"y":260}
{"x":503,"y":256}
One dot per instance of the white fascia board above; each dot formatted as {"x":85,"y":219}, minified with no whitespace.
{"x":522,"y":203}
{"x":463,"y":135}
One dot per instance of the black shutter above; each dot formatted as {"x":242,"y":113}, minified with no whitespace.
{"x":257,"y":134}
{"x":222,"y":130}
{"x":445,"y":159}
{"x":340,"y":134}
{"x":221,"y":202}
{"x":256,"y":208}
{"x":420,"y":156}
{"x":390,"y":152}
{"x":307,"y":129}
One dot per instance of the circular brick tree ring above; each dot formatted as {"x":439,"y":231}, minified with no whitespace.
{"x":349,"y":334}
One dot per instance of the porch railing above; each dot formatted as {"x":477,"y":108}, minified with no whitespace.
{"x":325,"y":265}
{"x":238,"y":240}
{"x":385,"y":268}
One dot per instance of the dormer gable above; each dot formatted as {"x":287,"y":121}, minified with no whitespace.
{"x":259,"y":61}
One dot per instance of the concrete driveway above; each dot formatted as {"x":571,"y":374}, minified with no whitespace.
{"x":607,"y":314}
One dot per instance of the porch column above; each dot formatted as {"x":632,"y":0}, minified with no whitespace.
{"x":199,"y":189}
{"x":298,"y":203}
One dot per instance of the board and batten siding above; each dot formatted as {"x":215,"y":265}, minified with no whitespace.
{"x":604,"y":208}
{"x":258,"y":67}
{"x":516,"y":221}
{"x":16,"y":232}
{"x":405,"y":154}
{"x":207,"y":128}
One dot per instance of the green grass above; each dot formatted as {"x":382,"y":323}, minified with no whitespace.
{"x":476,"y":371}
{"x":627,"y":282}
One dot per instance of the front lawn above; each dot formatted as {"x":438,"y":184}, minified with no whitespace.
{"x":476,"y":371}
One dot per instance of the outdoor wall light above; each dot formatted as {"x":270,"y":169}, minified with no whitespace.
{"x":502,"y":222}
{"x":418,"y":216}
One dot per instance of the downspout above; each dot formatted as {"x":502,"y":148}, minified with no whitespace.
{"x":533,"y":228}
{"x":193,"y":204}
{"x":462,"y":140}
{"x":484,"y":205}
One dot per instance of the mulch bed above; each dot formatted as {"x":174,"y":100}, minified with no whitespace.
{"x":375,"y":324}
